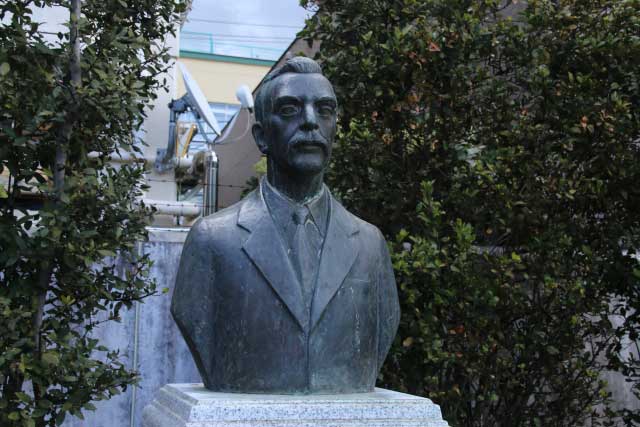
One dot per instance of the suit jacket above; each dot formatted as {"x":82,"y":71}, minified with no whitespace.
{"x":239,"y":305}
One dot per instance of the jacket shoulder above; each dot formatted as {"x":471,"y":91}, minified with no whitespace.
{"x":228,"y":215}
{"x":217,"y":225}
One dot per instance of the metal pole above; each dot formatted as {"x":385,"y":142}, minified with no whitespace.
{"x":210,"y":182}
{"x":136,"y":340}
{"x":136,"y":334}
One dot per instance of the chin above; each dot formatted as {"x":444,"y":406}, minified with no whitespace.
{"x":308,"y":165}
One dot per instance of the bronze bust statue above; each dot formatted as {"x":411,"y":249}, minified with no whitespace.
{"x":286,"y":292}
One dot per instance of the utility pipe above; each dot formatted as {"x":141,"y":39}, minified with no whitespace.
{"x":125,"y":157}
{"x":165,"y":207}
{"x":210,"y":183}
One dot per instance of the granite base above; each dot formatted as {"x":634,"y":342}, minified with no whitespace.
{"x":191,"y":405}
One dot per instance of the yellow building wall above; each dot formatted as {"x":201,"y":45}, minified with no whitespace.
{"x":219,"y":79}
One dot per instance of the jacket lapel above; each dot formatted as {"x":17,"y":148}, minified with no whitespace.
{"x":338,"y":255}
{"x":265,"y":249}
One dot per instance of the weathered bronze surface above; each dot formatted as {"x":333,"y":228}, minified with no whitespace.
{"x":287,"y":292}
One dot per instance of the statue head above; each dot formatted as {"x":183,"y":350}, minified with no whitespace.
{"x":296,"y":118}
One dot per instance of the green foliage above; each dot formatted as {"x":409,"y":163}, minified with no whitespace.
{"x":58,"y":273}
{"x":497,"y":146}
{"x":260,"y":168}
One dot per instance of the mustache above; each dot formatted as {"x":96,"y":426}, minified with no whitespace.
{"x":309,"y":138}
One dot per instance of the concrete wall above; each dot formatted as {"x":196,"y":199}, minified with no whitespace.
{"x":621,"y":391}
{"x":148,"y":339}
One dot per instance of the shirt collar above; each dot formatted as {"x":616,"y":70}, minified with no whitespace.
{"x":282,"y":207}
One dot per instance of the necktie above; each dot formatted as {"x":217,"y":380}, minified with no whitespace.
{"x":306,"y":247}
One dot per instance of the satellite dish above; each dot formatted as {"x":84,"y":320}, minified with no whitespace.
{"x":199,"y":101}
{"x":243,"y":93}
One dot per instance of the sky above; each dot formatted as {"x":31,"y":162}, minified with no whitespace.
{"x":249,"y":28}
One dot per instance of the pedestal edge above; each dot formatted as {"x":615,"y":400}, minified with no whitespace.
{"x":190,"y":405}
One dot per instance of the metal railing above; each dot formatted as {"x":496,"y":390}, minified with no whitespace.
{"x":208,"y":43}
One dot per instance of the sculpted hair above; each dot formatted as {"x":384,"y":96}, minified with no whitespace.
{"x":297,"y":64}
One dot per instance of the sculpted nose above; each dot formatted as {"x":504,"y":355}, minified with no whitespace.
{"x":310,"y":121}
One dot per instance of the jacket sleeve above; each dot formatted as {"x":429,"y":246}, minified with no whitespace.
{"x":192,"y":306}
{"x":388,"y":305}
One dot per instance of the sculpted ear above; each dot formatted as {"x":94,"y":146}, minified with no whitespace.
{"x":258,"y":134}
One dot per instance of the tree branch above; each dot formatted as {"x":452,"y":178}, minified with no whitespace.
{"x":62,"y":144}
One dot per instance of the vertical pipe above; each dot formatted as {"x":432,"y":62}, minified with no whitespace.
{"x":136,"y":337}
{"x":211,"y":43}
{"x":210,"y":182}
{"x":136,"y":332}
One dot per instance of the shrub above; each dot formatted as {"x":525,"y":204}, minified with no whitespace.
{"x":63,"y":96}
{"x":497,"y":146}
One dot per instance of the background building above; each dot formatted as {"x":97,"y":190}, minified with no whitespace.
{"x":219,"y":76}
{"x":222,"y":47}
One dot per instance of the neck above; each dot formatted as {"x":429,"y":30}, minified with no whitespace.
{"x":299,"y":188}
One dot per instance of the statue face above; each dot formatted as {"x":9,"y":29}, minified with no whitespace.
{"x":298,"y":131}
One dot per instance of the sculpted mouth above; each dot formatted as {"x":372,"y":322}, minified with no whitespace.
{"x":309,"y":142}
{"x":310,"y":145}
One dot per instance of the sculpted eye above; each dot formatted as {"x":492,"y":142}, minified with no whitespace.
{"x":288,"y":110}
{"x":327,"y":110}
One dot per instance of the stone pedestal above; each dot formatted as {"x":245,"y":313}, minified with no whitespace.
{"x":191,"y":405}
